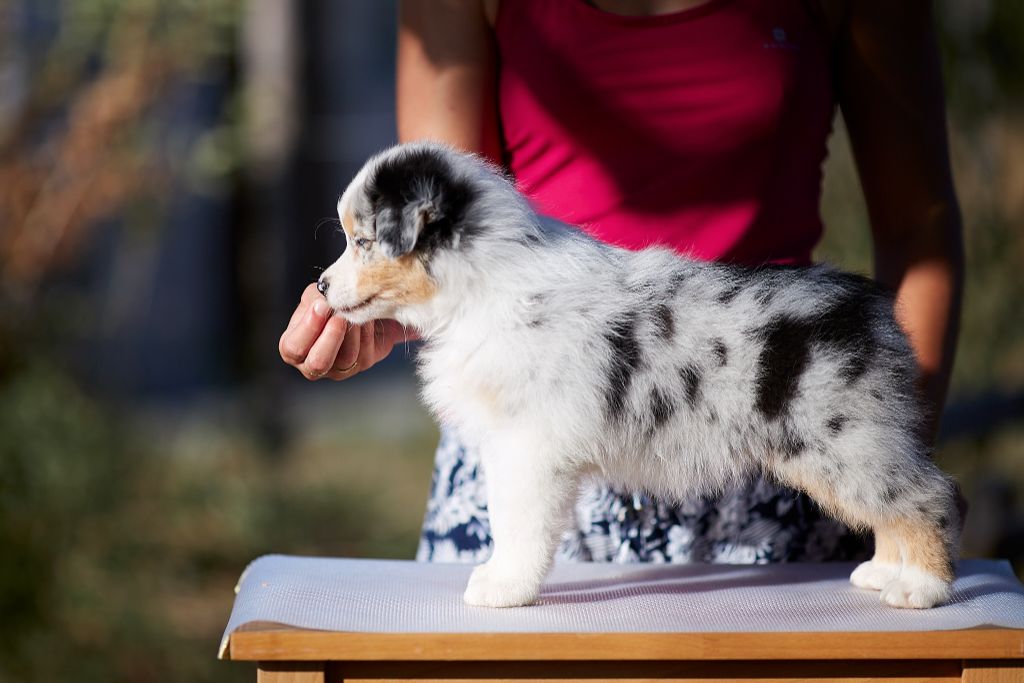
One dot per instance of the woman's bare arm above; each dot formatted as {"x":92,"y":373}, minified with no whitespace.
{"x":891,"y":95}
{"x":446,"y":85}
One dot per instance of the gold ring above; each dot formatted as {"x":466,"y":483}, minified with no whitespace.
{"x":348,"y":369}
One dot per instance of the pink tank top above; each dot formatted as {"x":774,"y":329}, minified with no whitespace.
{"x":703,"y":130}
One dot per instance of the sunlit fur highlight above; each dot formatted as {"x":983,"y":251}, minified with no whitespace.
{"x":561,"y":358}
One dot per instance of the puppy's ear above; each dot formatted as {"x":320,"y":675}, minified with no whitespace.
{"x":418,"y":200}
{"x":398,"y":228}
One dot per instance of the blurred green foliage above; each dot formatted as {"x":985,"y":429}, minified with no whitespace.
{"x":121,"y":540}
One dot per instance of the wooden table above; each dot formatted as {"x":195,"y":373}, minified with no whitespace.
{"x":379,"y":649}
{"x":288,"y":655}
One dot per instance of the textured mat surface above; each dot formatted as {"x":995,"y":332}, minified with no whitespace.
{"x":395,"y":596}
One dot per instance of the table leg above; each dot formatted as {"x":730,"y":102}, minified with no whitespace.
{"x":290,"y":672}
{"x":993,"y":671}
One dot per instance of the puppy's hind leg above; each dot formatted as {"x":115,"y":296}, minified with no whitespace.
{"x":528,"y":498}
{"x":884,"y":565}
{"x":912,"y":511}
{"x":926,"y":578}
{"x":916,"y":508}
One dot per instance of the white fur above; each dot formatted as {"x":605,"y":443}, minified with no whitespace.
{"x":531,"y":324}
{"x":915,"y":589}
{"x":874,"y":574}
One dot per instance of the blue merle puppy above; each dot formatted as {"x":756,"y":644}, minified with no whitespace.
{"x":561,"y":357}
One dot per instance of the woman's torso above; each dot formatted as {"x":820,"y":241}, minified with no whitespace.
{"x":703,"y":129}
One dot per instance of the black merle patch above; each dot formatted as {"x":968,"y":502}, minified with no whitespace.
{"x":902,"y":376}
{"x":836,"y":423}
{"x":664,"y":321}
{"x":536,"y":319}
{"x":846,"y":327}
{"x":691,"y":376}
{"x":783,"y":359}
{"x":854,"y":368}
{"x":721,"y":352}
{"x":418,"y":202}
{"x":662,"y":408}
{"x":644,"y":288}
{"x":676,"y":281}
{"x":789,"y":443}
{"x":892,"y":493}
{"x":843,"y":327}
{"x":726,"y":296}
{"x":626,"y":359}
{"x":765,"y":294}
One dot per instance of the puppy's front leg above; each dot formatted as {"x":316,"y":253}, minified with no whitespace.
{"x":528,"y":498}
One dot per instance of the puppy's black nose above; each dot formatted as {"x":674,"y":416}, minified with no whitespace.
{"x":322,"y":284}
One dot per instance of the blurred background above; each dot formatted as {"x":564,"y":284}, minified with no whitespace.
{"x":164,"y":167}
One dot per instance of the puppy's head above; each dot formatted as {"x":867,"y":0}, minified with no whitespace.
{"x":405,"y":205}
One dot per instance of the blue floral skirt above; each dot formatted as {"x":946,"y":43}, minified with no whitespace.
{"x":753,"y":523}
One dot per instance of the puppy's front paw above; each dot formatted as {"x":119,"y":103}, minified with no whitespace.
{"x":916,"y":590}
{"x":874,"y":575}
{"x":490,"y":587}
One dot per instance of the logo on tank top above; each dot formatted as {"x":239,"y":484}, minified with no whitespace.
{"x":780,"y":41}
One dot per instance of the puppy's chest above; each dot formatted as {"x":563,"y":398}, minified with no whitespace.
{"x":471,"y":382}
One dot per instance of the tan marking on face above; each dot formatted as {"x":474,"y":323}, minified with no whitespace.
{"x":348,"y":223}
{"x":403,"y":281}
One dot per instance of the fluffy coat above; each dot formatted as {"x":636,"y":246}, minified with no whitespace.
{"x":561,"y":357}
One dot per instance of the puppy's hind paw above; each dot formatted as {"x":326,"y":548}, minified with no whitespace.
{"x":874,"y":575}
{"x":487,"y":588}
{"x":915,"y":589}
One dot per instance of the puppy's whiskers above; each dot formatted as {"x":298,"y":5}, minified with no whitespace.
{"x":325,"y":221}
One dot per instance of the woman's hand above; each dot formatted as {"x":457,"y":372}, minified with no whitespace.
{"x":321,"y":345}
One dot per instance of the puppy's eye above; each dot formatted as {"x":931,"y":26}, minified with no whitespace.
{"x":363,"y":243}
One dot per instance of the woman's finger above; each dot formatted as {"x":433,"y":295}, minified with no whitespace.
{"x":296,"y":342}
{"x":344,"y":365}
{"x":309,"y":295}
{"x":320,"y":359}
{"x":311,"y":292}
